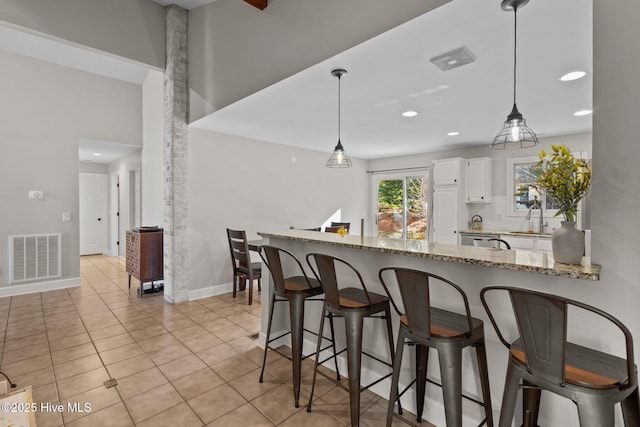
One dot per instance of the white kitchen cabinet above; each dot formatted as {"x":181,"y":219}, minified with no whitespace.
{"x":478,"y":180}
{"x":447,"y":172}
{"x":537,"y":244}
{"x":519,"y":242}
{"x":450,"y":213}
{"x":445,"y":214}
{"x":544,"y":245}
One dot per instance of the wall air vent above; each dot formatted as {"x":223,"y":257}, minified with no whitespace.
{"x":453,"y":59}
{"x":34,"y":256}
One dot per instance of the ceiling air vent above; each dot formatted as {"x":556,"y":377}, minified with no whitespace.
{"x":453,"y":59}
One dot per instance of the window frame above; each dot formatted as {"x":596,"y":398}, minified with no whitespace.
{"x":401,"y":175}
{"x":511,"y":209}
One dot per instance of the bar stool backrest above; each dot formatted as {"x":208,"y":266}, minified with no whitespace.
{"x":415,"y":288}
{"x":542,"y":324}
{"x":272,"y":256}
{"x":326,"y":274}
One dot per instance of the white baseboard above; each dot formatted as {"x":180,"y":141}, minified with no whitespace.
{"x":210,"y":291}
{"x":30,"y":288}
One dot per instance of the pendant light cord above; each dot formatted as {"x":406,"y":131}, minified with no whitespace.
{"x":339,"y":79}
{"x":515,"y":45}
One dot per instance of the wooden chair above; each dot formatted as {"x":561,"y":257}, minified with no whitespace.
{"x":542,"y":358}
{"x":243,"y":268}
{"x":346,"y":225}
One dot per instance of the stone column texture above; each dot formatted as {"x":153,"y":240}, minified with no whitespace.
{"x":176,"y":138}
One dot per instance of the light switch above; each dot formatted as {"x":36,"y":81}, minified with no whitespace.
{"x":66,"y":216}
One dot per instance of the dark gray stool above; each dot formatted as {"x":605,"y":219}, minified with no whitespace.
{"x":354,"y":305}
{"x":542,"y":359}
{"x":447,"y":332}
{"x":296,"y":290}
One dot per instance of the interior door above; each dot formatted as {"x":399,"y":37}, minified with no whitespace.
{"x":92,"y":213}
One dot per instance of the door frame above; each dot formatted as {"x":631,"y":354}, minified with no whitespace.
{"x":400,"y":174}
{"x":114,"y":214}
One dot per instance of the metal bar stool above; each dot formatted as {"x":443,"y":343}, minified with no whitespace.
{"x":353,"y":304}
{"x":541,"y":358}
{"x":448,"y":332}
{"x":296,"y":290}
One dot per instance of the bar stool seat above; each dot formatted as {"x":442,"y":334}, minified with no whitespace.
{"x":354,"y":305}
{"x":447,"y":332}
{"x":611,"y":371}
{"x":357,"y":298}
{"x":296,"y":290}
{"x":445,"y":324}
{"x":541,"y":358}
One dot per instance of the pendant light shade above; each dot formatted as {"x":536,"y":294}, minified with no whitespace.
{"x":339,"y":158}
{"x":515,"y":133}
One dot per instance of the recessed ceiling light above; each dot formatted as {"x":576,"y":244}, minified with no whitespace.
{"x":573,"y":75}
{"x":410,"y":113}
{"x":453,"y":133}
{"x":97,"y":154}
{"x":582,"y":113}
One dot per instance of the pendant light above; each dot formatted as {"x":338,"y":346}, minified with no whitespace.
{"x":515,"y":133}
{"x":339,"y":158}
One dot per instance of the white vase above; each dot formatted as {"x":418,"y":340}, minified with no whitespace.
{"x":567,"y":243}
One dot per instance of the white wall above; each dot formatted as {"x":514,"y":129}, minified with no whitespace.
{"x":132,"y":29}
{"x":253,"y":185}
{"x":616,"y":186}
{"x":46,"y":109}
{"x":152,"y":150}
{"x":89,"y":167}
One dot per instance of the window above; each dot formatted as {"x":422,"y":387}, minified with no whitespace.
{"x":521,"y":174}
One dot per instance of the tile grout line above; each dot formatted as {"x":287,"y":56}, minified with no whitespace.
{"x":99,"y":356}
{"x":145,"y":353}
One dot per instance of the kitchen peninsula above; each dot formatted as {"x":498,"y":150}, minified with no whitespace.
{"x":472,"y":268}
{"x":536,"y":262}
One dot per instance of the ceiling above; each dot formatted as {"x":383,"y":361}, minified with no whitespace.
{"x":391,"y":73}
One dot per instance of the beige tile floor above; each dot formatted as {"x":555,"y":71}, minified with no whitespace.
{"x":188,"y":364}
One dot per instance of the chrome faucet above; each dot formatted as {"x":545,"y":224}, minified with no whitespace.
{"x":537,"y":205}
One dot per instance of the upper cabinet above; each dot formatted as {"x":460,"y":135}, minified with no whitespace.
{"x":478,"y":180}
{"x":447,"y":172}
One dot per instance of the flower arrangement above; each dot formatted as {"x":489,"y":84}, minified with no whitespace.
{"x":565,"y":179}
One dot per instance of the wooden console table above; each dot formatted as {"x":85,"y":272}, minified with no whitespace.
{"x":144,"y":255}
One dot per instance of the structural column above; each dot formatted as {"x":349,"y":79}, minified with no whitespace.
{"x":176,"y":138}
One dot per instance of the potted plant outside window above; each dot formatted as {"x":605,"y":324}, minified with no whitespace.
{"x":566,"y":181}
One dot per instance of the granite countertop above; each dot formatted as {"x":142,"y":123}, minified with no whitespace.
{"x":536,"y":262}
{"x":508,"y":233}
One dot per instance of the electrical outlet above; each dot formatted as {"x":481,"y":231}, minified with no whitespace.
{"x":36,"y":194}
{"x":66,"y":216}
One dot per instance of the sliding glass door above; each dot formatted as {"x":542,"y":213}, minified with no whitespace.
{"x":401,"y":204}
